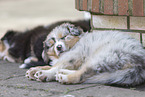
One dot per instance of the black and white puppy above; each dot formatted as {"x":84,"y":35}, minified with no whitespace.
{"x":27,"y":47}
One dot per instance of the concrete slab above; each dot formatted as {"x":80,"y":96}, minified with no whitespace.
{"x":13,"y":83}
{"x":107,"y":91}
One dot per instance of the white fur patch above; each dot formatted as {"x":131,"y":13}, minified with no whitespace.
{"x":23,"y":66}
{"x":4,"y":53}
{"x":30,"y":59}
{"x":53,"y":62}
{"x":87,"y":15}
{"x":68,"y":96}
{"x":61,"y":78}
{"x":8,"y":58}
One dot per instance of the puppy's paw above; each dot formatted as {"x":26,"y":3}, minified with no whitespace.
{"x":62,"y":75}
{"x":61,"y":78}
{"x":43,"y":76}
{"x":66,"y":76}
{"x":31,"y":72}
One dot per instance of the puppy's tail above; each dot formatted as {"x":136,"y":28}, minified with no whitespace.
{"x":127,"y":77}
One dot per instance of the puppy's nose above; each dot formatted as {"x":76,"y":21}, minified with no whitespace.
{"x":59,"y":47}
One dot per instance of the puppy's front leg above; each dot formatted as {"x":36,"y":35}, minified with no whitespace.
{"x":49,"y":75}
{"x":74,"y":77}
{"x":67,"y":61}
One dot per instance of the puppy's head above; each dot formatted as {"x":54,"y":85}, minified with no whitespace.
{"x":60,"y":40}
{"x":6,"y":39}
{"x":9,"y":35}
{"x":2,"y":48}
{"x":5,"y":45}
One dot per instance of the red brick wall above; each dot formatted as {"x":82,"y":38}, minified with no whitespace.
{"x":113,"y":7}
{"x":124,"y":15}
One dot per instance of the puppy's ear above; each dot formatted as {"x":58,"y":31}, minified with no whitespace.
{"x":72,"y":29}
{"x":9,"y":34}
{"x":45,"y":57}
{"x":76,"y":31}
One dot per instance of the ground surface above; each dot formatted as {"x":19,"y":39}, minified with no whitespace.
{"x":26,"y":14}
{"x":13,"y":83}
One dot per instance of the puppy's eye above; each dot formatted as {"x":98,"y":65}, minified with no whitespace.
{"x":50,"y":42}
{"x":47,"y":47}
{"x":68,"y":37}
{"x":70,"y":27}
{"x":63,"y":37}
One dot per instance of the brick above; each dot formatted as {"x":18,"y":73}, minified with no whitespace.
{"x":108,"y":7}
{"x":114,"y":22}
{"x":137,"y":23}
{"x":101,"y":6}
{"x":138,"y":8}
{"x":81,"y":5}
{"x":85,"y":3}
{"x":122,"y":7}
{"x":143,"y":40}
{"x":89,"y":5}
{"x":144,"y":7}
{"x":77,"y":4}
{"x":95,"y":6}
{"x":115,"y":7}
{"x":134,"y":35}
{"x":130,"y":7}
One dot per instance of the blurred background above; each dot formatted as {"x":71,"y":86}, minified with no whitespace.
{"x":26,"y":14}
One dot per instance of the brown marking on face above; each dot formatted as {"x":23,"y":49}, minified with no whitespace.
{"x":51,"y":52}
{"x":70,"y":43}
{"x":51,"y":41}
{"x":60,"y":35}
{"x":2,"y":46}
